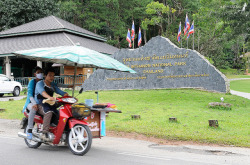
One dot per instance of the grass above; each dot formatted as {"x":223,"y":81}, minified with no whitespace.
{"x":190,"y":107}
{"x":240,"y":85}
{"x":234,"y":73}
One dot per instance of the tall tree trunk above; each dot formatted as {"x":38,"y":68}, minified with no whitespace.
{"x":118,"y":42}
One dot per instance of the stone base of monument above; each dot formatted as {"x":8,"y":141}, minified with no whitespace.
{"x":213,"y":123}
{"x":135,"y":117}
{"x":218,"y":105}
{"x":173,"y":119}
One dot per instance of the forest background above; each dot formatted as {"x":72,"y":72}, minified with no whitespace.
{"x":221,"y":26}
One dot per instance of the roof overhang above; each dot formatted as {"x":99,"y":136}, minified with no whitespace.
{"x":52,"y":31}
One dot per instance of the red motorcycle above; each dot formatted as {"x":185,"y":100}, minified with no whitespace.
{"x":72,"y":129}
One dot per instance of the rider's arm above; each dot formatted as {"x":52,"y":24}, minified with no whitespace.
{"x":58,"y":91}
{"x":33,"y":101}
{"x":31,"y":89}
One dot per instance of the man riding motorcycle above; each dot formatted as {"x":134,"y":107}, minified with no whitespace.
{"x":45,"y":90}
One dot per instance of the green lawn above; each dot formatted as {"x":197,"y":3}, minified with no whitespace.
{"x":156,"y":106}
{"x":240,"y":85}
{"x":234,"y":73}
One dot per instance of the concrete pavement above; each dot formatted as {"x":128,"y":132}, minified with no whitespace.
{"x":8,"y":98}
{"x":242,"y":94}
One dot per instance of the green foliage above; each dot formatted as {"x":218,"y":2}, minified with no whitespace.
{"x":17,"y":12}
{"x":157,"y":15}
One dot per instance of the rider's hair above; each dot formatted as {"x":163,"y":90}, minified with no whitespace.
{"x":49,"y":69}
{"x":38,"y":68}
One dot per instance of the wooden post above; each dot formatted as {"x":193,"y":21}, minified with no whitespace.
{"x":213,"y":123}
{"x":173,"y":119}
{"x":135,"y":117}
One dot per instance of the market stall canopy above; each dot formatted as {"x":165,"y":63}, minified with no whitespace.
{"x":74,"y":56}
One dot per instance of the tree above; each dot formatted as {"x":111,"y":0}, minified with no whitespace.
{"x":71,"y":11}
{"x":17,"y":12}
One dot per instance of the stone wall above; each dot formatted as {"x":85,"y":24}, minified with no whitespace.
{"x":160,"y":64}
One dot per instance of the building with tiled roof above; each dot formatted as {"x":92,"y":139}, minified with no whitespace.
{"x":50,"y":31}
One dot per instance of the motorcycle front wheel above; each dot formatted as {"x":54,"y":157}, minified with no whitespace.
{"x":31,"y":143}
{"x":79,"y":139}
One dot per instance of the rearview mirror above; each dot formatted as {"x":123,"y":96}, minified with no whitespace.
{"x":80,"y":90}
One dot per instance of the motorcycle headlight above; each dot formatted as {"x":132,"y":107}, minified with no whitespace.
{"x":71,"y":100}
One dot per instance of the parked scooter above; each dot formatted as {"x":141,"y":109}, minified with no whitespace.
{"x":71,"y":128}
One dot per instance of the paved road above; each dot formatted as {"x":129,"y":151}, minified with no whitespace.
{"x":7,"y":98}
{"x":242,"y":94}
{"x":113,"y":151}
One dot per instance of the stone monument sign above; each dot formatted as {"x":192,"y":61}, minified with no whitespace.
{"x":160,"y":64}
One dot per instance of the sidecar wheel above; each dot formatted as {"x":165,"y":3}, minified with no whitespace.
{"x":79,"y":140}
{"x":30,"y":143}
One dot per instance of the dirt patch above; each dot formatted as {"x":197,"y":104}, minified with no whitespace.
{"x":137,"y":136}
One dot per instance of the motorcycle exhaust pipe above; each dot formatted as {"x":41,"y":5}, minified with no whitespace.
{"x":24,"y":135}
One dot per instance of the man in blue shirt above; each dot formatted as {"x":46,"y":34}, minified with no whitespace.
{"x":45,"y":90}
{"x":30,"y":103}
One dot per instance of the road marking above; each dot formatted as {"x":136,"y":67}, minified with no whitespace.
{"x":143,"y":156}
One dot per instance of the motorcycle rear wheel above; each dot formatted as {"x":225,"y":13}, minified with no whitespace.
{"x":79,"y":140}
{"x":31,"y":143}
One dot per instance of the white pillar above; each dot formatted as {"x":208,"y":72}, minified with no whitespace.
{"x":40,"y":64}
{"x":7,"y":67}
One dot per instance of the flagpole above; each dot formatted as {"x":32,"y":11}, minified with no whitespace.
{"x":181,"y":41}
{"x":134,"y":44}
{"x":198,"y":41}
{"x":187,"y":43}
{"x":193,"y":36}
{"x":193,"y":41}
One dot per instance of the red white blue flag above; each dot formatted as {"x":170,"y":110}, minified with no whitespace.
{"x":133,"y":31}
{"x":129,"y":38}
{"x":179,"y":33}
{"x":191,"y":31}
{"x":187,"y":25}
{"x":139,"y":37}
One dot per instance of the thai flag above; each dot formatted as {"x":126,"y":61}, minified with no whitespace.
{"x":133,"y":31}
{"x":179,"y":33}
{"x":139,"y":37}
{"x":129,"y":38}
{"x":187,"y":25}
{"x":191,"y":31}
